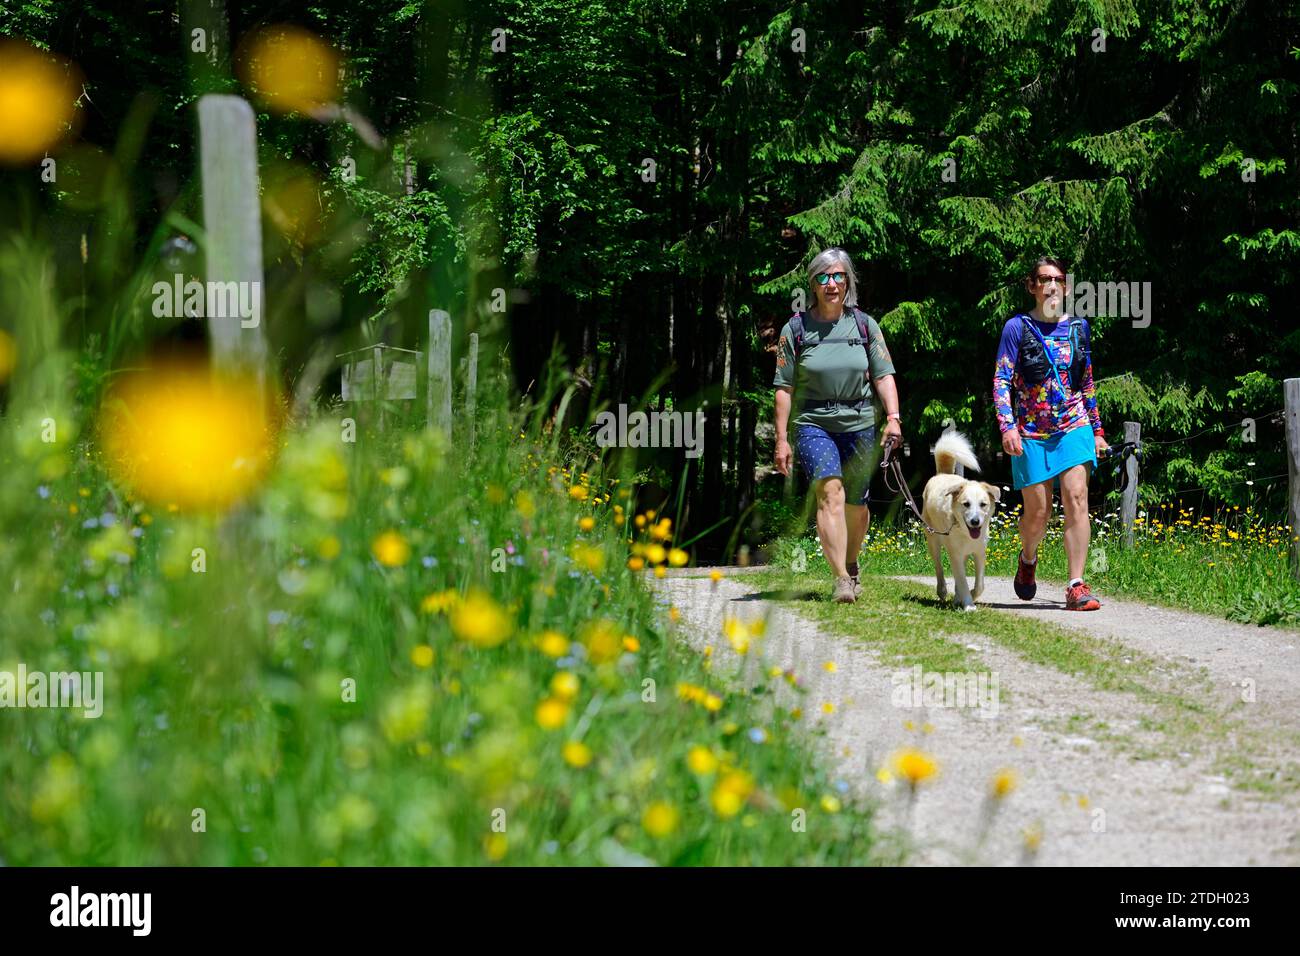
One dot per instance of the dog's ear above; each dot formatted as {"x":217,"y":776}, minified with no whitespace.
{"x":955,"y":495}
{"x":994,"y":491}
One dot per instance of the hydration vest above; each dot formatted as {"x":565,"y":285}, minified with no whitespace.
{"x":1034,"y":365}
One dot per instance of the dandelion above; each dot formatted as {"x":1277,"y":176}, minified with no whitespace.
{"x":524,"y":505}
{"x":481,"y":621}
{"x":731,"y":793}
{"x":631,"y":644}
{"x":635,"y":563}
{"x":440,"y":602}
{"x":830,"y":804}
{"x":677,"y":557}
{"x":655,"y":553}
{"x":38,"y":97}
{"x":565,"y":685}
{"x":660,"y":819}
{"x":422,"y":655}
{"x":1004,"y":782}
{"x":390,"y":549}
{"x":829,"y":667}
{"x":660,"y":571}
{"x":701,"y":761}
{"x":551,"y":713}
{"x":553,"y":644}
{"x":588,"y":558}
{"x":495,"y":846}
{"x":828,"y":707}
{"x":602,"y":640}
{"x":578,"y":493}
{"x":586,"y":523}
{"x":576,"y":754}
{"x":914,"y":766}
{"x":290,"y":69}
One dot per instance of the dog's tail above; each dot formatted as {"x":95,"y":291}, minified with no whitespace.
{"x":952,"y":449}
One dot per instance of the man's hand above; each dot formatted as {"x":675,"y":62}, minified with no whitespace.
{"x":783,"y":456}
{"x":1011,"y":442}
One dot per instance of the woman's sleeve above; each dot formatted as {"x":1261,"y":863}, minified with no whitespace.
{"x":1089,"y":387}
{"x":1003,"y":370}
{"x":784,"y":359}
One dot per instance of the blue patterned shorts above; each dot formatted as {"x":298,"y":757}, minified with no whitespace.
{"x":844,"y":455}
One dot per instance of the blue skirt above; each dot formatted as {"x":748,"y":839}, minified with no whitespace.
{"x":1044,"y":460}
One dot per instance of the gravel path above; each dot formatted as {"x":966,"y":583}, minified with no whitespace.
{"x":1083,"y":797}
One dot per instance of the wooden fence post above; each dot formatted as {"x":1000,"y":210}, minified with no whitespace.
{"x":1128,"y":508}
{"x":471,"y":385}
{"x":1291,"y":392}
{"x":232,"y":219}
{"x":439,"y":400}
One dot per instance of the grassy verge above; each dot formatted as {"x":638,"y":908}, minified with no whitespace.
{"x":1232,"y":564}
{"x":393,"y":652}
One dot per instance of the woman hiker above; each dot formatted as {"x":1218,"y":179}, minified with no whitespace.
{"x":826,"y":373}
{"x":1047,"y":411}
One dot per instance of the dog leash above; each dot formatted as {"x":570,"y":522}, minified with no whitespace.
{"x":891,"y":466}
{"x":1119,"y":454}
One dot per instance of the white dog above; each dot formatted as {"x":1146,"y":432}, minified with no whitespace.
{"x":962,"y":508}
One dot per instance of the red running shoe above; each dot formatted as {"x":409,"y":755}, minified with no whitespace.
{"x":1079,"y":598}
{"x":1024,"y":583}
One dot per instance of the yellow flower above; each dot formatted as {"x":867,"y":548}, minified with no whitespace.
{"x":677,"y":557}
{"x":660,"y":571}
{"x":884,"y":776}
{"x":828,"y":707}
{"x":8,"y":356}
{"x":674,"y":615}
{"x":577,"y":754}
{"x":564,"y":685}
{"x":553,"y":644}
{"x":494,"y":494}
{"x":631,"y":644}
{"x":588,"y":558}
{"x":495,"y":846}
{"x":602,"y":640}
{"x":1004,"y":782}
{"x":328,"y":547}
{"x":700,"y":760}
{"x":829,"y":667}
{"x":181,"y":434}
{"x":481,"y":621}
{"x":830,"y":804}
{"x":640,"y":521}
{"x":730,"y":794}
{"x":578,"y":493}
{"x":660,"y":819}
{"x":712,"y":702}
{"x":439,"y":602}
{"x":635,"y":564}
{"x":914,"y":766}
{"x":655,"y":553}
{"x":422,"y":655}
{"x":715,"y":576}
{"x":38,"y":96}
{"x":524,"y":505}
{"x":290,"y":69}
{"x":586,"y":523}
{"x":390,"y":549}
{"x":551,"y":713}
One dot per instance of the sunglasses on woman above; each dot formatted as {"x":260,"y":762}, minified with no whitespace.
{"x":824,"y":277}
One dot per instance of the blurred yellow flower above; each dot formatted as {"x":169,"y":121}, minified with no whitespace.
{"x":578,"y":493}
{"x":290,"y":69}
{"x":602,"y":639}
{"x":635,"y":563}
{"x":58,"y":789}
{"x":328,"y":547}
{"x":178,"y":434}
{"x":553,"y":644}
{"x":677,"y":557}
{"x":551,"y":713}
{"x":830,"y":803}
{"x":588,"y":558}
{"x":730,"y":794}
{"x":524,"y":505}
{"x":405,"y":713}
{"x":577,"y":754}
{"x":495,"y":846}
{"x":565,"y":685}
{"x":700,"y":760}
{"x":660,"y":819}
{"x":390,"y":549}
{"x":715,"y":575}
{"x":660,"y":571}
{"x":1004,"y":782}
{"x":914,"y":766}
{"x":481,"y":621}
{"x":440,"y":602}
{"x":655,"y":553}
{"x":8,"y":356}
{"x":631,"y":644}
{"x":829,"y":667}
{"x":422,"y":655}
{"x":38,"y":100}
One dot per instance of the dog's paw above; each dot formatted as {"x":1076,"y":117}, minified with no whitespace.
{"x":970,"y":606}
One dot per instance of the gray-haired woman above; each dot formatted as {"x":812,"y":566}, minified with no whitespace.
{"x":826,"y":374}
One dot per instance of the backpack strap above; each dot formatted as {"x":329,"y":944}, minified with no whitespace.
{"x":864,"y":330}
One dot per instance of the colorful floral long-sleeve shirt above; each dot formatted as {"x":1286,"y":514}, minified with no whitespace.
{"x":1041,"y":411}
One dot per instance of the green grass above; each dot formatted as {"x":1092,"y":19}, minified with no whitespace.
{"x":225,"y":688}
{"x":1232,"y":564}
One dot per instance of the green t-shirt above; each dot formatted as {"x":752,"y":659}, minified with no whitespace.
{"x":837,"y":370}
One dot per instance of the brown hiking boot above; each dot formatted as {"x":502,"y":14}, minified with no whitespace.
{"x":844,"y":593}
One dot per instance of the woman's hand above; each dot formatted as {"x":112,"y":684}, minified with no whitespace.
{"x":893,"y":429}
{"x":1011,"y":442}
{"x":1102,"y":446}
{"x":783,"y":457}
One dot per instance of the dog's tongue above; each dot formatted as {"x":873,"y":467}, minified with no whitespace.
{"x":975,"y":532}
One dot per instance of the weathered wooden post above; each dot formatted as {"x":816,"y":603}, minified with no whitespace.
{"x":439,"y":400}
{"x":471,"y":385}
{"x":1291,"y":411}
{"x":232,"y":219}
{"x":1129,"y":505}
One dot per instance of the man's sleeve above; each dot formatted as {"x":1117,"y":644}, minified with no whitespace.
{"x":1004,"y":368}
{"x":878,"y":354}
{"x":784,"y":359}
